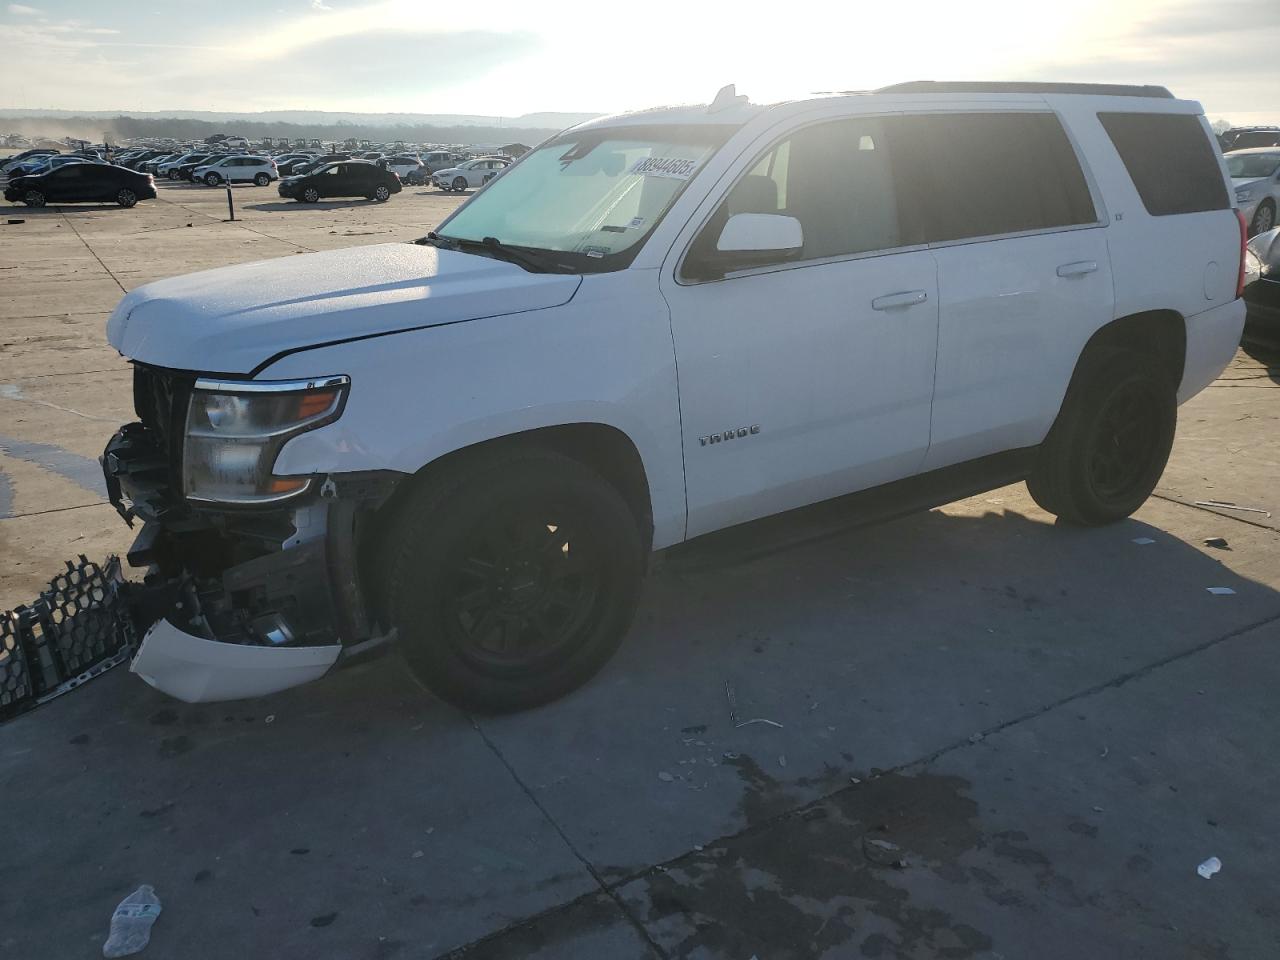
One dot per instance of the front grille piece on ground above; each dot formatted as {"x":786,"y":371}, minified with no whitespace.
{"x":76,"y":629}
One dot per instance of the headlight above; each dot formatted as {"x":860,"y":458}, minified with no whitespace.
{"x":1245,"y":194}
{"x":236,"y":429}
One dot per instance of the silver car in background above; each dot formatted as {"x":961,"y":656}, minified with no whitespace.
{"x":1255,"y":174}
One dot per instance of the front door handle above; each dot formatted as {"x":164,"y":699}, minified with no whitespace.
{"x":1078,"y":269}
{"x":891,"y":301}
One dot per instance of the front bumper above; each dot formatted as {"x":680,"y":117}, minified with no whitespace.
{"x":240,"y":603}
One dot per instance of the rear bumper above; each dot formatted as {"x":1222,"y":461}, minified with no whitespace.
{"x":1212,"y":339}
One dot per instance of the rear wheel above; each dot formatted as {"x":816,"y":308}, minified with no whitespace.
{"x":126,"y":197}
{"x":262,"y":180}
{"x":33,"y":198}
{"x":1111,"y":441}
{"x":459,"y":183}
{"x":1264,"y":218}
{"x":382,"y":193}
{"x":512,"y":582}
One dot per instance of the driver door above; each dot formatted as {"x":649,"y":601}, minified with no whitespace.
{"x":809,"y":377}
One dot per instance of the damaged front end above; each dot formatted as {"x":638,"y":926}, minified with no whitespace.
{"x":239,"y":599}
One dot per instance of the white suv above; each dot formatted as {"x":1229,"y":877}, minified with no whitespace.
{"x":237,"y":169}
{"x":652,"y":327}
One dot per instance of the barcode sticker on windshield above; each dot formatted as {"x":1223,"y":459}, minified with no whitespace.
{"x":673,"y":168}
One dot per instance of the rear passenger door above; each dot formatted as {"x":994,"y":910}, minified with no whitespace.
{"x":1024,"y":277}
{"x":806,"y":378}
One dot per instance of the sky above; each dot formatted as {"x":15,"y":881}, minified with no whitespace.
{"x":500,"y":58}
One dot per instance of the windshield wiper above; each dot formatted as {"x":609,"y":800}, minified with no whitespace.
{"x":530,"y":260}
{"x":434,"y":239}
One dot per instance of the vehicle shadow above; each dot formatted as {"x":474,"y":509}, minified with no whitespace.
{"x":275,"y":205}
{"x":1267,"y":354}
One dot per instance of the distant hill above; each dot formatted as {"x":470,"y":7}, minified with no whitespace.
{"x":321,"y":124}
{"x":547,"y":121}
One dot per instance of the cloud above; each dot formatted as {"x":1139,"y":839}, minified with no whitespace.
{"x":22,"y":10}
{"x":320,"y":5}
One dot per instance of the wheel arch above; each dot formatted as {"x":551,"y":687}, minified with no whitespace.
{"x":605,"y":448}
{"x":1161,"y":334}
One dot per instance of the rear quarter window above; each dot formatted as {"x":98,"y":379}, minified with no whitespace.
{"x":1170,"y":161}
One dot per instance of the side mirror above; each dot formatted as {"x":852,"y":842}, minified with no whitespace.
{"x":760,"y":237}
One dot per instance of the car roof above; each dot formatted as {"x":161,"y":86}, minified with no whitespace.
{"x":1252,"y":150}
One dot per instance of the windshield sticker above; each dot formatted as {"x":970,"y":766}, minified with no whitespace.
{"x":673,"y":168}
{"x":595,"y":252}
{"x":637,"y":223}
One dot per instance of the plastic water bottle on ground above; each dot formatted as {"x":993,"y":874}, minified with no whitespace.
{"x":131,"y":923}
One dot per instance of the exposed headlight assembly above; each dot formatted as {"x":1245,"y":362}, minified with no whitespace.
{"x":235,"y":430}
{"x":1245,"y":194}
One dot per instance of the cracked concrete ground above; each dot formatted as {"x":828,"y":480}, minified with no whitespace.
{"x":996,"y":737}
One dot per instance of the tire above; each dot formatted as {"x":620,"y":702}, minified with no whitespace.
{"x":212,"y":179}
{"x":512,"y":580}
{"x":174,"y":175}
{"x":311,"y":195}
{"x":126,"y":198}
{"x":382,"y":193}
{"x":459,"y":184}
{"x":1111,"y":441}
{"x":33,"y":198}
{"x":261,"y":180}
{"x":1264,"y":218}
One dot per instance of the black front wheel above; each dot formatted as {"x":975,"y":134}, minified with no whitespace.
{"x":512,"y":582}
{"x":1111,"y":441}
{"x":382,"y":193}
{"x":126,"y":198}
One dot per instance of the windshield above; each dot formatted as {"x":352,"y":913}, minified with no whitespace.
{"x":1252,"y":165}
{"x":596,"y":193}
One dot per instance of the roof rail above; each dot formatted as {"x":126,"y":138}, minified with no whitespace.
{"x":980,"y":86}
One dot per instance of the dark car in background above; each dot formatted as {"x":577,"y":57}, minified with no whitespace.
{"x":186,"y":169}
{"x":1262,"y":290}
{"x":82,"y":183}
{"x":8,"y":164}
{"x":349,"y":178}
{"x":1246,"y":138}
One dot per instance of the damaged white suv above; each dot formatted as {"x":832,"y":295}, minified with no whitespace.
{"x":655,"y":326}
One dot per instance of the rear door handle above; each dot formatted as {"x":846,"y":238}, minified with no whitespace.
{"x":891,"y":301}
{"x":1078,"y":269}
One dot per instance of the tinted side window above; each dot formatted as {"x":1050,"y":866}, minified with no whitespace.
{"x":969,"y":175}
{"x":835,"y":178}
{"x":1170,"y":161}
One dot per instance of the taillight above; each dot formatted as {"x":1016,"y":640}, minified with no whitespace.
{"x":1244,"y":246}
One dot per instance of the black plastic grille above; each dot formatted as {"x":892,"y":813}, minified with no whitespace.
{"x":74,"y":630}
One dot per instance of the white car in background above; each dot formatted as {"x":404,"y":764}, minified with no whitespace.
{"x":473,"y":173}
{"x":257,"y":170}
{"x":1255,"y":175}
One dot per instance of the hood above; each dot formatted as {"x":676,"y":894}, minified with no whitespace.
{"x":441,"y":173}
{"x":1239,"y":182}
{"x":233,"y":319}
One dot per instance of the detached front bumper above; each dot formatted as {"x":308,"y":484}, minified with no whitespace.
{"x":239,"y":603}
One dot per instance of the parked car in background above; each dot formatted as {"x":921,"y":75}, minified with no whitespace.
{"x":403,"y":165}
{"x":172,"y":168}
{"x":137,"y":159}
{"x":259,"y":171}
{"x":1262,"y":290}
{"x":437,"y":160}
{"x":82,"y":183}
{"x":348,"y":178}
{"x":1255,"y":175}
{"x":295,"y":163}
{"x":1244,"y":138}
{"x":43,"y":163}
{"x":152,"y":166}
{"x":11,"y":162}
{"x":471,"y":174}
{"x":186,"y":169}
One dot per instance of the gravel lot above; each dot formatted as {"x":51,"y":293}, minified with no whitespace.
{"x":990,"y":736}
